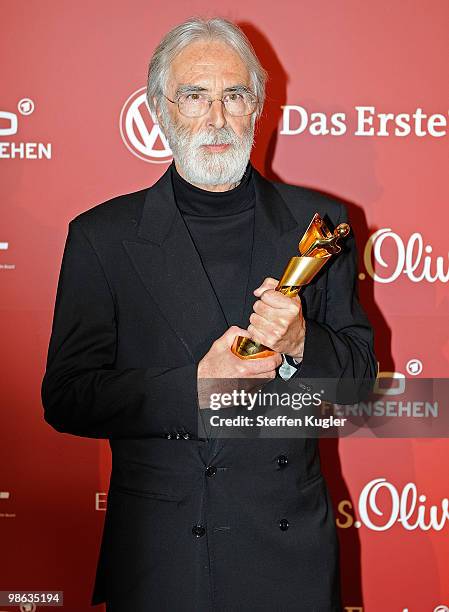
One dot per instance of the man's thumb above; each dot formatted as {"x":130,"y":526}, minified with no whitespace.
{"x":230,"y":334}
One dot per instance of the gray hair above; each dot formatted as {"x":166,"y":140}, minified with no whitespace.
{"x":195,"y":29}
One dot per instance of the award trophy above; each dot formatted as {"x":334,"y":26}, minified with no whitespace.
{"x":316,"y":247}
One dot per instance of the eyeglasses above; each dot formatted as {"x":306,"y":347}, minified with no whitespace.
{"x":197,"y":104}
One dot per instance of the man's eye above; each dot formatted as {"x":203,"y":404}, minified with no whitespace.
{"x":234,"y":96}
{"x":193,"y":96}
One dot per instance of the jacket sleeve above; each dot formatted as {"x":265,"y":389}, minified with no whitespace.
{"x":341,"y":347}
{"x":82,"y":392}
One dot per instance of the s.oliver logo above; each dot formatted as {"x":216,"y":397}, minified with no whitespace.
{"x":140,"y":132}
{"x":385,"y":250}
{"x":381,"y":505}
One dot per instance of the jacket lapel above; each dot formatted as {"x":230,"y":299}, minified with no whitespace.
{"x":169,"y":266}
{"x":274,"y":235}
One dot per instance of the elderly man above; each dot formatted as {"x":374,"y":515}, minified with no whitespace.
{"x":154,"y":286}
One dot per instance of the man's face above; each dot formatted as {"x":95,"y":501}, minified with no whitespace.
{"x":213,"y":149}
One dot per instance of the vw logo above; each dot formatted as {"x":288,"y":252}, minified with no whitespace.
{"x":140,"y":132}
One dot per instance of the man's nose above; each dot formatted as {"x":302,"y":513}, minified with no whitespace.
{"x":215,"y":115}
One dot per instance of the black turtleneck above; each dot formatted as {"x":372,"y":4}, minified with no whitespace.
{"x":221,"y":224}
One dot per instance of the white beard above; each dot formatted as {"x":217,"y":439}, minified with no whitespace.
{"x":201,"y":167}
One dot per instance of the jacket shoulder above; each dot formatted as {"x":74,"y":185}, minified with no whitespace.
{"x":113,"y":216}
{"x":303,"y":200}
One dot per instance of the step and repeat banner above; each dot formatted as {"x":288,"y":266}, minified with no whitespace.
{"x":357,"y":108}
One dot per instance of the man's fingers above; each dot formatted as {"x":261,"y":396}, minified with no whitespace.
{"x":276,"y":299}
{"x":270,"y":374}
{"x":227,"y":338}
{"x":268,"y":283}
{"x":264,"y":364}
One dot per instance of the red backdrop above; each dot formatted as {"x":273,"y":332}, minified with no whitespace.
{"x":75,"y":131}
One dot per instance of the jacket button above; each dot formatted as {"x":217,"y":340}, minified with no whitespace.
{"x":283,"y":524}
{"x":211,"y":470}
{"x":168,"y":436}
{"x":198,"y":531}
{"x":282,"y":461}
{"x":186,"y":435}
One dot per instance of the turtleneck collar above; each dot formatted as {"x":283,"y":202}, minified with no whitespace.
{"x":200,"y":202}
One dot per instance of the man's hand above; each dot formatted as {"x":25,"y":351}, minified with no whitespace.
{"x":277,"y":320}
{"x":219,"y":369}
{"x":220,"y":361}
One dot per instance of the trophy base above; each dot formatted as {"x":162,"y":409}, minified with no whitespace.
{"x":245,"y":348}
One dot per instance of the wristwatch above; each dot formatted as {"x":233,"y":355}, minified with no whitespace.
{"x":291,"y":360}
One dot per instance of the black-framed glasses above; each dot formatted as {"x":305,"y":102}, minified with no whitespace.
{"x":197,"y":104}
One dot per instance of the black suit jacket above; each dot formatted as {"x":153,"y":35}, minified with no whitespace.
{"x":134,"y":314}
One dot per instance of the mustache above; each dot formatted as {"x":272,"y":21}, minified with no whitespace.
{"x":223,"y":136}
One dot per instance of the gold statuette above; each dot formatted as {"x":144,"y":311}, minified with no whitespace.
{"x":316,"y":247}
